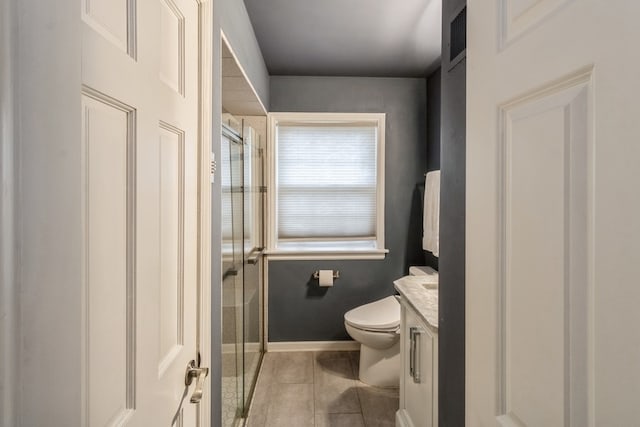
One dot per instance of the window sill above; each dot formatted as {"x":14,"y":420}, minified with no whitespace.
{"x":307,"y":255}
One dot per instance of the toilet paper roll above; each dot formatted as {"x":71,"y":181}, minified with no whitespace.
{"x":325,"y":278}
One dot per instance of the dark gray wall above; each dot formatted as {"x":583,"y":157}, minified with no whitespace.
{"x":298,"y":309}
{"x":434,"y":102}
{"x":452,"y":232}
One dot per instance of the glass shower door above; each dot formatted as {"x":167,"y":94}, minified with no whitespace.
{"x":242,"y":236}
{"x":253,"y":249}
{"x":232,"y":176}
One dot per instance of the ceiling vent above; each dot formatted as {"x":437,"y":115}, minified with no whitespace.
{"x":458,"y":37}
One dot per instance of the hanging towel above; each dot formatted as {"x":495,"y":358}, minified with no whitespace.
{"x":431,"y":213}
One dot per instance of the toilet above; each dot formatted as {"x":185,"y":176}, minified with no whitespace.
{"x":376,"y":326}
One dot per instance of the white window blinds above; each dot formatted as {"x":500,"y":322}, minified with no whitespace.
{"x":326,"y":182}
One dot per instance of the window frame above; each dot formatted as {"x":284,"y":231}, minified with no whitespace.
{"x":309,"y":253}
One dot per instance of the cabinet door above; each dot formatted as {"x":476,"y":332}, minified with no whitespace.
{"x":417,"y":385}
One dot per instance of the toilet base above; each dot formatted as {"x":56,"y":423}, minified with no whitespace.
{"x":380,"y":368}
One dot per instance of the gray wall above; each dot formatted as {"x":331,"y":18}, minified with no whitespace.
{"x":235,"y":23}
{"x":434,"y":102}
{"x":298,"y":309}
{"x":452,"y":232}
{"x":9,"y":289}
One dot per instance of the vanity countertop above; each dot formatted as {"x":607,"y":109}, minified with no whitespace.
{"x":423,"y":300}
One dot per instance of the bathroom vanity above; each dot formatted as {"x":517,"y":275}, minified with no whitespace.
{"x":418,"y":352}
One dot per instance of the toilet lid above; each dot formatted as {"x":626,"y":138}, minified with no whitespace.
{"x":380,"y":315}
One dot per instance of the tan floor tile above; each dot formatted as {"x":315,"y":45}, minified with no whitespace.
{"x":335,"y":387}
{"x":379,"y":405}
{"x":334,"y":399}
{"x":268,"y":368}
{"x":333,"y":365}
{"x":260,"y":404}
{"x":293,"y":367}
{"x":299,"y":388}
{"x":332,"y":354}
{"x":354,"y":356}
{"x":339,"y":420}
{"x":260,"y":400}
{"x":291,"y":405}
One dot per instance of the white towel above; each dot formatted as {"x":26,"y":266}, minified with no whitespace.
{"x":431,"y":210}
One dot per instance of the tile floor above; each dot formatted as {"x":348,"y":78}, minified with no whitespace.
{"x":232,"y":384}
{"x":318,"y":389}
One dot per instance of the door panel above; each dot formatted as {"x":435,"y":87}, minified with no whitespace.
{"x":109,"y":339}
{"x":140,"y":78}
{"x":543,"y":303}
{"x":115,"y":21}
{"x":553,"y":241}
{"x":517,"y":17}
{"x":172,"y":33}
{"x":170,"y":242}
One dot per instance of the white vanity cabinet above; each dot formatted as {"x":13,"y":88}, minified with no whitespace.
{"x":419,"y":375}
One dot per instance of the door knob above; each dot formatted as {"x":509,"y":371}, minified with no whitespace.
{"x":194,"y":371}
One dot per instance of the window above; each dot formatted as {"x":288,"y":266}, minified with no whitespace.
{"x":326,"y":189}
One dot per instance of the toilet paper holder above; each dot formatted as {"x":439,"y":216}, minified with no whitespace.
{"x":336,"y":274}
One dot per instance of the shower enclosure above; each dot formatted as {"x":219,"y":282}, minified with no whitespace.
{"x":242,"y":246}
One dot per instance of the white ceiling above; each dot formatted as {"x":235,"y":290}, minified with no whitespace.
{"x":399,"y":38}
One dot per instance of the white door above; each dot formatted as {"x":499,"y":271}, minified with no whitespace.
{"x":140,"y":171}
{"x":553,"y":213}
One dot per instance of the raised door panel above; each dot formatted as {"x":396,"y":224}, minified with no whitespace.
{"x":517,"y":17}
{"x":115,"y":20}
{"x":553,"y":243}
{"x":171,"y":239}
{"x":545,"y":210}
{"x":172,"y":46}
{"x":108,"y":316}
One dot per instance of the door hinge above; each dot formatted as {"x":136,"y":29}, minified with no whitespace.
{"x":260,"y":152}
{"x":263,"y":189}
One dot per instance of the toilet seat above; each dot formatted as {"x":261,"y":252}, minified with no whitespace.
{"x":379,"y":316}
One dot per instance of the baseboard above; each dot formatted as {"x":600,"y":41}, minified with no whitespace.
{"x":313,"y":346}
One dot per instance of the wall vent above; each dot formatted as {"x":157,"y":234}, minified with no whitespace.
{"x":458,"y":37}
